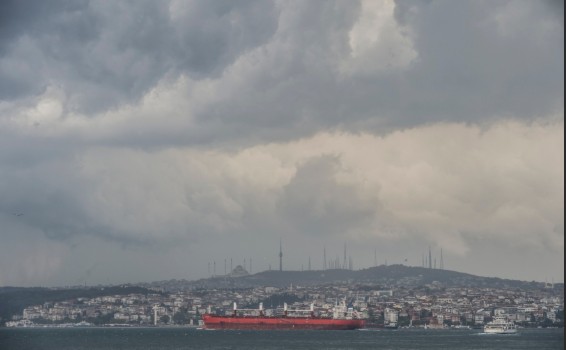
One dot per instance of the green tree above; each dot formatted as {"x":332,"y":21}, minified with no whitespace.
{"x":404,"y":321}
{"x":181,"y":317}
{"x":371,"y":316}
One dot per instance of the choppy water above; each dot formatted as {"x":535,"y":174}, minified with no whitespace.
{"x":185,"y":338}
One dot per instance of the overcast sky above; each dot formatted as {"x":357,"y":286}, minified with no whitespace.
{"x":150,"y":140}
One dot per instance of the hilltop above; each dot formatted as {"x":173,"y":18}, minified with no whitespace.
{"x":14,"y":299}
{"x":392,"y":275}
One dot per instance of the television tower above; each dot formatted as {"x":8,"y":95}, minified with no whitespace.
{"x":280,"y":256}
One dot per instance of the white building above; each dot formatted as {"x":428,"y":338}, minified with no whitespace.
{"x":390,"y":316}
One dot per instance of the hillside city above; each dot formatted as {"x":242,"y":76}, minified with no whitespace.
{"x":431,"y":305}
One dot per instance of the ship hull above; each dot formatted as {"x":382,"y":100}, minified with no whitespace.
{"x":283,"y":323}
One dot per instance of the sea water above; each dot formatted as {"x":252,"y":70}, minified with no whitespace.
{"x":188,"y":338}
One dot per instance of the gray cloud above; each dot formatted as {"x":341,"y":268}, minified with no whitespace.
{"x":106,"y":54}
{"x":294,"y":69}
{"x":316,"y":203}
{"x":164,"y":127}
{"x":492,"y":61}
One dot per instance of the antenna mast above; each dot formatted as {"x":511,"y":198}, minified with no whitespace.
{"x":280,"y":256}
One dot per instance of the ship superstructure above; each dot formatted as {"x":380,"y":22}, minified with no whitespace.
{"x":500,"y":325}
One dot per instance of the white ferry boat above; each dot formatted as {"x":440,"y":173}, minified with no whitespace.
{"x":500,"y":325}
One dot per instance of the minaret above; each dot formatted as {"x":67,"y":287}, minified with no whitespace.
{"x":280,"y":256}
{"x":155,"y":315}
{"x":429,"y":258}
{"x":441,"y":260}
{"x":324,"y":257}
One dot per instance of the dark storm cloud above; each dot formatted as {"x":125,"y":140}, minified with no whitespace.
{"x":475,"y":62}
{"x":556,"y":8}
{"x":210,"y":35}
{"x":277,"y":71}
{"x":106,"y":54}
{"x":479,"y":60}
{"x":31,"y":19}
{"x":44,"y":192}
{"x":244,"y":121}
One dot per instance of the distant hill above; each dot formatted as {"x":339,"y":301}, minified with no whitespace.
{"x":392,"y":275}
{"x":13,"y":300}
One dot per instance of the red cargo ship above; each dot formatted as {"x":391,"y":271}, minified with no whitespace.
{"x":343,"y":319}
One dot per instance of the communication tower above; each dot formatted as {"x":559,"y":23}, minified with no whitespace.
{"x":280,"y":256}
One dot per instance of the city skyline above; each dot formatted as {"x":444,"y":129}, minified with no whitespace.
{"x":347,"y":262}
{"x":151,"y":140}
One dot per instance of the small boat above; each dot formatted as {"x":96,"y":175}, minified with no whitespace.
{"x":391,"y":325}
{"x":500,"y":325}
{"x":460,"y":326}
